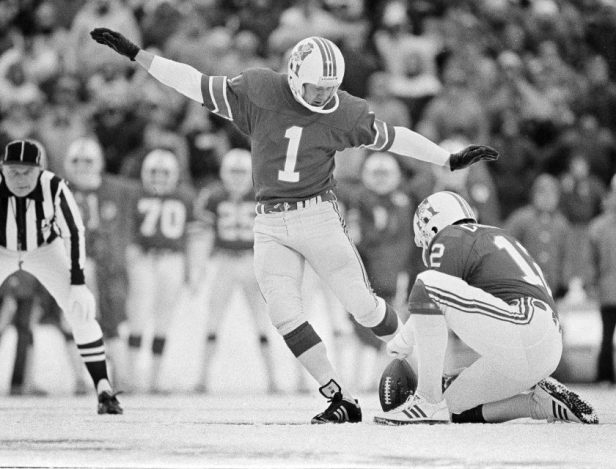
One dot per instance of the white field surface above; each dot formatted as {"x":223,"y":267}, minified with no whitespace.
{"x":238,"y":425}
{"x":224,"y":430}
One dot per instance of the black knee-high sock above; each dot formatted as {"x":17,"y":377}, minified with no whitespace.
{"x":93,"y":355}
{"x":134,"y":341}
{"x":158,"y":345}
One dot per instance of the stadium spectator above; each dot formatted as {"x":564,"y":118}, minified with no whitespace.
{"x":581,"y":196}
{"x":62,"y":120}
{"x":456,"y":109}
{"x":543,"y":230}
{"x":84,"y":59}
{"x":603,"y":280}
{"x":409,"y":58}
{"x":515,"y":174}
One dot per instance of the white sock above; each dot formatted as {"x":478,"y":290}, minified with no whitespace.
{"x":317,"y":363}
{"x":431,"y":336}
{"x":103,"y":385}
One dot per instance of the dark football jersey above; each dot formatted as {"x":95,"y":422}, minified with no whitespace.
{"x":489,"y":258}
{"x":232,"y":220}
{"x":386,"y":225}
{"x":107,"y":218}
{"x":292,"y":147}
{"x":162,"y":221}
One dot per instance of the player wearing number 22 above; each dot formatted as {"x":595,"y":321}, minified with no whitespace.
{"x":483,"y":285}
{"x":296,"y":122}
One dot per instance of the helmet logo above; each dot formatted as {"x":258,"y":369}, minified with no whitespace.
{"x":302,"y":51}
{"x":425,"y":211}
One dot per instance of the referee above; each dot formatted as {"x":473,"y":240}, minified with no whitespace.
{"x":41,"y":232}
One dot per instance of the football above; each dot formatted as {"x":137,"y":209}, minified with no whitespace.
{"x":398,"y":382}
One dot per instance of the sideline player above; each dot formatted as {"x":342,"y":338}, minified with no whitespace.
{"x":104,"y":201}
{"x":38,"y":214}
{"x":483,"y":285}
{"x":157,"y":259}
{"x":296,"y":122}
{"x":229,"y":211}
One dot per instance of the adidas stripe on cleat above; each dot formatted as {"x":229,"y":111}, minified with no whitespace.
{"x":415,"y":410}
{"x":340,"y":410}
{"x":558,"y":403}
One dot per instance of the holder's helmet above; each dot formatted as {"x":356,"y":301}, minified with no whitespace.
{"x":436,"y":212}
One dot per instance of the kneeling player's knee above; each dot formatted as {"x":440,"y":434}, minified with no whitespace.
{"x":420,"y":301}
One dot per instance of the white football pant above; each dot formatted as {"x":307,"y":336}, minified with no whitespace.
{"x":519,"y":344}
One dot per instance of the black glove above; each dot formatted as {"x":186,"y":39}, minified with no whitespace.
{"x":116,"y":41}
{"x":470,"y":155}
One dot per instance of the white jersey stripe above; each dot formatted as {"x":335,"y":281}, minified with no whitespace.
{"x":217,"y":91}
{"x":11,"y":226}
{"x":31,"y":235}
{"x":382,"y":136}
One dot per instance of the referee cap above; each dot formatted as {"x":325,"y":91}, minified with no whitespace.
{"x":23,"y":152}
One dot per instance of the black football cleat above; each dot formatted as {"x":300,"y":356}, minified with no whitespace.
{"x":108,"y":403}
{"x":340,"y":410}
{"x":559,"y":403}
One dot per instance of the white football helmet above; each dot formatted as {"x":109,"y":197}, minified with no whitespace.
{"x":316,"y":61}
{"x":236,"y":171}
{"x":436,"y":212}
{"x":381,"y":173}
{"x":83,"y":163}
{"x":160,"y":172}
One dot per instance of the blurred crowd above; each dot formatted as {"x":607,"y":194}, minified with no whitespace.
{"x":535,"y":79}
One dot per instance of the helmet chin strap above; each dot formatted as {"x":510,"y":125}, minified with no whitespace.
{"x":320,"y":109}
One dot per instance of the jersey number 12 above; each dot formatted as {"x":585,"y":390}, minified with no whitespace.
{"x":531,"y":273}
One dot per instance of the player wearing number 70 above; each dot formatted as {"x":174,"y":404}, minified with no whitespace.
{"x":484,"y":286}
{"x":163,"y":222}
{"x":296,"y":122}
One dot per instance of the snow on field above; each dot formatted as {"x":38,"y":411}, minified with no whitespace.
{"x":254,"y":431}
{"x":239,"y":426}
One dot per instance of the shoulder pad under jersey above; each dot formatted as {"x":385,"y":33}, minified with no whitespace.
{"x":262,"y":86}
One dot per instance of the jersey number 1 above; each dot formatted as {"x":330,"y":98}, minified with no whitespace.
{"x":288,"y":174}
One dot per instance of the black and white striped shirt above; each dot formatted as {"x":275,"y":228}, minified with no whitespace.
{"x":48,"y":212}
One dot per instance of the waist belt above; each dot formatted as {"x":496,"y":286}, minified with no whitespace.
{"x":270,"y":207}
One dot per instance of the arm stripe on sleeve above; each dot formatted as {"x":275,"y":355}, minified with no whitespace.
{"x":382,"y":136}
{"x":217,"y":101}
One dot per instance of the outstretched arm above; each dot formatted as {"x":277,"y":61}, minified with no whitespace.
{"x":181,"y":77}
{"x":409,"y":143}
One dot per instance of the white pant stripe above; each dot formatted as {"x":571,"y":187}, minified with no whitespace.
{"x":521,"y":314}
